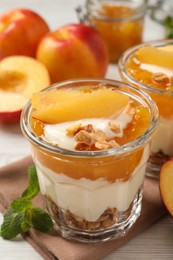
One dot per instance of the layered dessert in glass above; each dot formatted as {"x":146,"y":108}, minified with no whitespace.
{"x":150,"y":67}
{"x":90,"y":143}
{"x":120,"y":23}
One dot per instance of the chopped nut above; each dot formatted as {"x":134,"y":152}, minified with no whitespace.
{"x":83,"y":136}
{"x":103,"y":217}
{"x":72,"y":130}
{"x":93,"y":225}
{"x":88,"y":128}
{"x":99,"y":135}
{"x":80,"y":146}
{"x":113,"y":144}
{"x":107,"y":219}
{"x":103,"y":145}
{"x":160,"y":78}
{"x":114,"y":127}
{"x":107,"y":222}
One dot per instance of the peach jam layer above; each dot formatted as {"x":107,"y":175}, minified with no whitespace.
{"x":104,"y":119}
{"x":154,"y":67}
{"x":118,"y":35}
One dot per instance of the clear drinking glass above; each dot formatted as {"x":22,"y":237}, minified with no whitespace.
{"x":120,"y":23}
{"x":93,"y":196}
{"x":154,"y":81}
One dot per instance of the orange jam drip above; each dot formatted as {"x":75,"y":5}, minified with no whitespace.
{"x":163,"y":101}
{"x":118,"y":35}
{"x":110,"y":168}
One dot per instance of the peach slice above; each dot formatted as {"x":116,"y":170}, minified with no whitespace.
{"x":20,"y":77}
{"x":42,"y":101}
{"x":99,"y":103}
{"x":156,"y":56}
{"x":166,"y":185}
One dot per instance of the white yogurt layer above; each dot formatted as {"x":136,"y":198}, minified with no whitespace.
{"x":56,"y":133}
{"x":156,"y":69}
{"x":164,"y":137}
{"x":89,"y":199}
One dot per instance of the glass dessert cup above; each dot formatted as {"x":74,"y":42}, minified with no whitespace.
{"x":119,"y":22}
{"x":93,"y":196}
{"x":152,"y":78}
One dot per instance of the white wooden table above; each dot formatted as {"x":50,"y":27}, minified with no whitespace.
{"x":157,"y":242}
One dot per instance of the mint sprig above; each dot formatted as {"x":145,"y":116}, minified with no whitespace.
{"x":23,"y":215}
{"x":33,"y":187}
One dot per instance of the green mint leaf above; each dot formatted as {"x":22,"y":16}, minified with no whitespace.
{"x":22,"y":215}
{"x":33,"y":186}
{"x":25,"y":226}
{"x":41,"y":220}
{"x":11,"y":226}
{"x":21,"y":204}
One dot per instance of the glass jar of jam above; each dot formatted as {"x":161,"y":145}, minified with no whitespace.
{"x":119,"y":22}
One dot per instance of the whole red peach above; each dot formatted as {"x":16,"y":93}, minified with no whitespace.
{"x":73,"y":51}
{"x":20,"y":32}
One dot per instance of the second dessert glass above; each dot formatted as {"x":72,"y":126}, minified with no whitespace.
{"x":94,"y":196}
{"x":153,"y":74}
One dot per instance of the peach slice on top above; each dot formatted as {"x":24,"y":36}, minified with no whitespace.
{"x":79,"y":104}
{"x":42,"y":101}
{"x":162,"y":56}
{"x":20,"y":77}
{"x":166,"y":185}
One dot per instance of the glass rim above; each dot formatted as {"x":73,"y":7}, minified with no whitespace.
{"x":125,"y":57}
{"x":139,"y":12}
{"x":128,"y":147}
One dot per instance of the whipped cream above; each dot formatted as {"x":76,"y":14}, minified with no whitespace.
{"x":86,"y":198}
{"x":56,"y":133}
{"x":156,"y":69}
{"x":163,"y":139}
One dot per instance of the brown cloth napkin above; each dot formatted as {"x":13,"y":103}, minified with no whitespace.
{"x":13,"y":180}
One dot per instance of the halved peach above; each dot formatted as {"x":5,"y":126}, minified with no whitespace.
{"x":99,"y":103}
{"x":20,"y":77}
{"x":157,"y":56}
{"x":166,"y":185}
{"x":10,"y":106}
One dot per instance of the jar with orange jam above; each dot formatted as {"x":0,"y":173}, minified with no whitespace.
{"x":119,"y":22}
